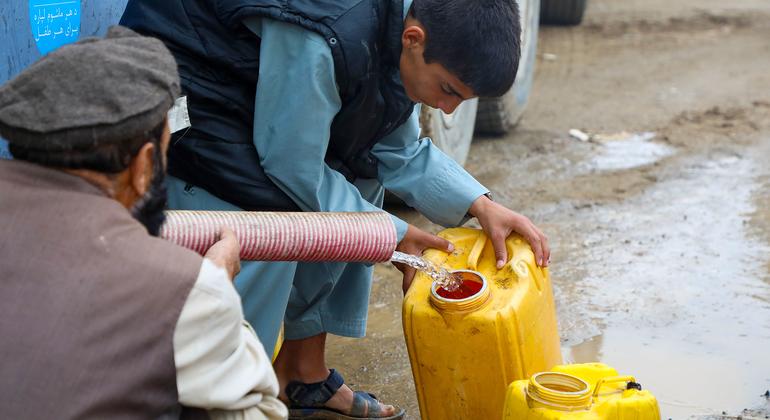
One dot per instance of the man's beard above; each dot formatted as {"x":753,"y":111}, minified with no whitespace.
{"x":149,"y":210}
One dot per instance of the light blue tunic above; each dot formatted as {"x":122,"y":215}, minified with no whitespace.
{"x":296,"y":101}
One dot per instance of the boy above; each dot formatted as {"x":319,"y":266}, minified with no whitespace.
{"x":310,"y":106}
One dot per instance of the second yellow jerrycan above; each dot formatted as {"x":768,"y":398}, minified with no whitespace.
{"x":587,"y":391}
{"x":465,"y":350}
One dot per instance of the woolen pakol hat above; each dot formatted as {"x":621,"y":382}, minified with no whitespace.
{"x":93,"y":92}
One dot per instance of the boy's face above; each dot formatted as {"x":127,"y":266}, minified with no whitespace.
{"x":430,"y":84}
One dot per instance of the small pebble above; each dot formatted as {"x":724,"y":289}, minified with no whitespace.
{"x":549,"y":57}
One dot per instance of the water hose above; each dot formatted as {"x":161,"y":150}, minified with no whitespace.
{"x":288,"y":236}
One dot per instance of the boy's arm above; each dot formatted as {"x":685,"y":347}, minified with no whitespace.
{"x":430,"y":181}
{"x":424,"y":177}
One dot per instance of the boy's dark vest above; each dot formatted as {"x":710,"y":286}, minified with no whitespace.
{"x":218,"y":61}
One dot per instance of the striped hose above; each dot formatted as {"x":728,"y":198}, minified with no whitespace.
{"x":285,"y":236}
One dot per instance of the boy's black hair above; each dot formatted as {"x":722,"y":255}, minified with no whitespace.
{"x":109,"y":158}
{"x":479,"y":41}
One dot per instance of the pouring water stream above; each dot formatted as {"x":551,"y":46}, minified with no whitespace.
{"x":449,"y":281}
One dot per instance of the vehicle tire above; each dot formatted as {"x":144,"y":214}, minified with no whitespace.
{"x":452,"y":133}
{"x":562,"y":12}
{"x":497,"y":116}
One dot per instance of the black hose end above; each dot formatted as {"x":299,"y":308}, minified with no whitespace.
{"x":634,"y":385}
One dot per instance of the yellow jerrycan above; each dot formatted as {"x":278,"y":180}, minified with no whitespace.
{"x":465,"y":350}
{"x":588,"y":391}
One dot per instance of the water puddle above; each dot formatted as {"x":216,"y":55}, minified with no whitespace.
{"x":672,"y":289}
{"x":627,"y":150}
{"x":676,"y":291}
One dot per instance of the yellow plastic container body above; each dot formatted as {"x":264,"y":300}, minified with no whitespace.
{"x":464,"y":354}
{"x":559,"y":395}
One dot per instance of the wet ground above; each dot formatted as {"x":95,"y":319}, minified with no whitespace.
{"x":659,"y":225}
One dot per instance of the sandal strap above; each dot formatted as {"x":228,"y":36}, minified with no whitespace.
{"x":365,"y":405}
{"x":314,"y":394}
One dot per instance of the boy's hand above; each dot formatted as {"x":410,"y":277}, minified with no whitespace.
{"x":415,"y":242}
{"x":498,"y":222}
{"x":226,"y":252}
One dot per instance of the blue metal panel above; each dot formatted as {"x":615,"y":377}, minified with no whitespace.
{"x":31,"y":28}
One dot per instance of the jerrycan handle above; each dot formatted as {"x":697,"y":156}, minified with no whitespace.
{"x":475,"y":254}
{"x":629,"y":379}
{"x":478,"y":247}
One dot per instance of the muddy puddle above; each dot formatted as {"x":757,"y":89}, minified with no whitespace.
{"x":628,"y":150}
{"x":671,"y":286}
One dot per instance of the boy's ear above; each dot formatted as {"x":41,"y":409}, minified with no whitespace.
{"x":413,"y":36}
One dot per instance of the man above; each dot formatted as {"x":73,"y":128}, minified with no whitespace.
{"x":98,"y":318}
{"x":310,"y":105}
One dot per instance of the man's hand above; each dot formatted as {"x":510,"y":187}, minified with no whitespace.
{"x":226,"y":252}
{"x":498,"y":222}
{"x":415,"y":242}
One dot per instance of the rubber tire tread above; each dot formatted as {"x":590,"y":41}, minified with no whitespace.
{"x":497,"y":116}
{"x":562,"y":12}
{"x":492,"y":118}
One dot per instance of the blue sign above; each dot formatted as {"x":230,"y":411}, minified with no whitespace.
{"x":54,"y":23}
{"x":32,"y":28}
